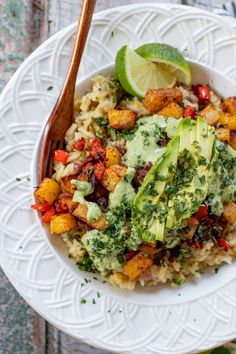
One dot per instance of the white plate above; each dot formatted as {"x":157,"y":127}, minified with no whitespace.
{"x":201,"y":314}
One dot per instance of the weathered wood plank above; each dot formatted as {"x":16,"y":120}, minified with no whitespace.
{"x":23,"y":25}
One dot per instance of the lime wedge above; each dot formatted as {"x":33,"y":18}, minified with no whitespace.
{"x":137,"y":75}
{"x":168,"y":59}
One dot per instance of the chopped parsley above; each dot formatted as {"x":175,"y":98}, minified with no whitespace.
{"x":101,"y":121}
{"x":86,"y":264}
{"x":112,"y":133}
{"x":99,"y":134}
{"x":202,"y":179}
{"x":50,"y":88}
{"x":200,"y":271}
{"x":120,"y":258}
{"x":83,"y":301}
{"x":178,"y":282}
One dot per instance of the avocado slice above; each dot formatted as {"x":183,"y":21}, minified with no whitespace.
{"x":150,"y":204}
{"x":191,"y":181}
{"x":187,"y":133}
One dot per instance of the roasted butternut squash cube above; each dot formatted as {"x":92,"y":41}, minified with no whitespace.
{"x":47,"y":191}
{"x":211,"y":114}
{"x":67,"y":186}
{"x":146,"y":249}
{"x":113,"y":156}
{"x":229,"y":105}
{"x":223,"y":134}
{"x":173,"y":110}
{"x":232,"y":122}
{"x":122,"y":281}
{"x":62,"y":223}
{"x":112,"y":176}
{"x":229,"y":212}
{"x":157,"y":99}
{"x":122,"y":119}
{"x":224,"y":118}
{"x":81,"y":213}
{"x":137,"y":265}
{"x":228,"y":120}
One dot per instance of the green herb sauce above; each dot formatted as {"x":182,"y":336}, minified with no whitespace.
{"x":84,"y":189}
{"x":123,"y":188}
{"x":143,"y":146}
{"x":222,"y":187}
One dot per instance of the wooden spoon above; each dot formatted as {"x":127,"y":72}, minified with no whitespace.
{"x":62,"y":115}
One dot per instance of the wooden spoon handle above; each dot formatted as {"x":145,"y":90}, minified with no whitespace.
{"x":62,"y":114}
{"x":65,"y":103}
{"x":84,"y":22}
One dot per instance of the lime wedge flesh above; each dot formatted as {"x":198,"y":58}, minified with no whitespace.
{"x":167,"y":58}
{"x":137,"y":75}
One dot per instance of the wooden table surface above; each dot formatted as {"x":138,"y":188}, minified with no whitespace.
{"x":24,"y":24}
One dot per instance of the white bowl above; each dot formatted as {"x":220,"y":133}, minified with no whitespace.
{"x":161,"y":294}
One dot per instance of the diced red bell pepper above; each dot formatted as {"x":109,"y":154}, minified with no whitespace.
{"x":96,"y":144}
{"x":189,"y":111}
{"x":80,"y":144}
{"x":46,"y":218}
{"x":98,"y":149}
{"x":130,"y":255}
{"x":224,"y":244}
{"x":61,"y":156}
{"x":42,"y":207}
{"x":202,"y":212}
{"x":61,"y":205}
{"x":99,"y":170}
{"x":196,"y":245}
{"x":204,"y":93}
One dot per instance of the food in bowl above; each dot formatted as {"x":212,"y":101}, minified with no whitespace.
{"x":145,"y":191}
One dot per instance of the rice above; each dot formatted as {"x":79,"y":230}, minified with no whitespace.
{"x":75,"y":248}
{"x":119,"y":279}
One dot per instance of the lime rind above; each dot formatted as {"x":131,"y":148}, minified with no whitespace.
{"x":168,"y":58}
